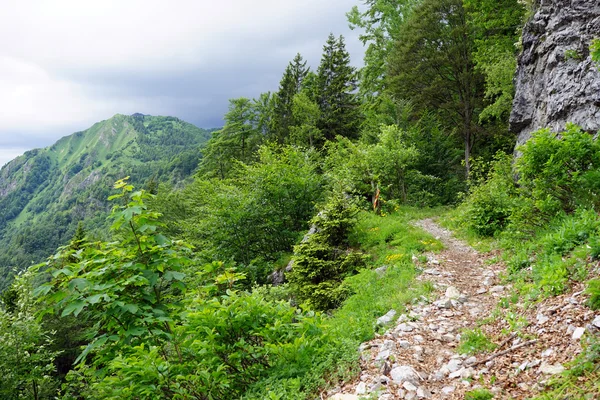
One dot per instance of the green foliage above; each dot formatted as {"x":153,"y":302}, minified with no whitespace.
{"x":284,"y":116}
{"x":47,"y":192}
{"x":336,"y":83}
{"x":26,"y":356}
{"x":239,"y":138}
{"x":255,"y":215}
{"x":432,"y":65}
{"x":475,"y":341}
{"x":559,"y":171}
{"x":572,"y":54}
{"x":479,"y":394}
{"x":593,"y":290}
{"x":322,"y":260}
{"x":495,"y":27}
{"x":380,"y":22}
{"x":126,"y":287}
{"x":595,"y":50}
{"x":490,"y":205}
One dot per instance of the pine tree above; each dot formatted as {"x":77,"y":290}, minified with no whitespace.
{"x":337,"y":82}
{"x":290,"y":85}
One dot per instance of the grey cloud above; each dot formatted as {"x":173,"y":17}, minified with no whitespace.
{"x":230,"y":65}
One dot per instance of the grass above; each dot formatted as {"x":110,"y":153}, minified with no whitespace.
{"x":449,"y":220}
{"x":390,"y":240}
{"x":581,"y":380}
{"x":474,"y":341}
{"x":479,"y":394}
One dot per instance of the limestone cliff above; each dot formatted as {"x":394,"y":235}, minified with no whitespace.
{"x":557,"y":81}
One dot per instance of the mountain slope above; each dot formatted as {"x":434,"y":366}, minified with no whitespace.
{"x":46,"y":192}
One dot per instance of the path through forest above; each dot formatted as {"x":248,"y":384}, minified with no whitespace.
{"x":417,"y":358}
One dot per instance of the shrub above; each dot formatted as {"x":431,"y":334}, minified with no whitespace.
{"x":593,"y":289}
{"x":322,"y":260}
{"x":557,"y":171}
{"x":489,"y":205}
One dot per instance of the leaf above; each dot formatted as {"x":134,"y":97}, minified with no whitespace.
{"x":95,"y":298}
{"x":42,"y":290}
{"x":135,"y":331}
{"x":173,"y":275}
{"x":132,"y":308}
{"x":73,"y":308}
{"x":161,"y":240}
{"x":79,"y":284}
{"x":94,"y":345}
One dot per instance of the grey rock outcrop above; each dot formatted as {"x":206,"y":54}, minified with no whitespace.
{"x":556,"y":81}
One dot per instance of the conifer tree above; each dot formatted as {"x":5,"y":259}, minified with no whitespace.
{"x":337,"y":82}
{"x":290,"y":85}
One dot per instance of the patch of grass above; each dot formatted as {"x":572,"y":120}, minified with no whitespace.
{"x":475,"y":341}
{"x":479,"y":394}
{"x":593,"y":289}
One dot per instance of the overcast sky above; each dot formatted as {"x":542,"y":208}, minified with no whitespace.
{"x":66,"y":64}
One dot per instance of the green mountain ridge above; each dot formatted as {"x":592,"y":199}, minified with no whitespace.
{"x":45,"y":192}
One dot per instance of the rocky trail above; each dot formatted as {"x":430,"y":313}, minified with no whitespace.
{"x":417,"y":357}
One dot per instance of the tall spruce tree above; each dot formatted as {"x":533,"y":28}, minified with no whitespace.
{"x":432,"y":65}
{"x":290,"y":85}
{"x":337,"y":100}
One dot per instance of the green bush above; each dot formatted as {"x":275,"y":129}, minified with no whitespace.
{"x":572,"y":231}
{"x":593,"y":290}
{"x":489,"y":206}
{"x":322,"y":260}
{"x":557,"y":170}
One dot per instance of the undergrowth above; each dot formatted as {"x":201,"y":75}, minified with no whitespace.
{"x":390,"y":242}
{"x":543,"y":211}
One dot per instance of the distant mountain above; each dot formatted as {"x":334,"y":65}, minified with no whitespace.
{"x":46,"y":192}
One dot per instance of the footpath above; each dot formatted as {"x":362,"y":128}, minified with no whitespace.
{"x":417,"y":357}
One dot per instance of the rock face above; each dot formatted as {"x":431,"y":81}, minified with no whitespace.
{"x":557,"y":81}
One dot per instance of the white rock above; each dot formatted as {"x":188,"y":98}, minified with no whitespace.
{"x":410,"y":396}
{"x":471,"y":360}
{"x":387,"y":318}
{"x":423,"y":393}
{"x":448,"y":389}
{"x":418,"y":338}
{"x":405,"y":344}
{"x":542,"y":319}
{"x":456,"y":374}
{"x":596,"y":322}
{"x":454,"y":365}
{"x":523,"y":365}
{"x":340,"y":396}
{"x":549,"y":369}
{"x":409,"y":386}
{"x":383,"y":355}
{"x":404,"y":328}
{"x":452,"y":293}
{"x":578,"y":333}
{"x":361,"y":389}
{"x":482,"y":291}
{"x":386,"y":396}
{"x":404,"y":373}
{"x":432,"y":271}
{"x":547,"y":353}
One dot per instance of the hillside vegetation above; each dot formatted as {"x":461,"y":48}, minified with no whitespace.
{"x":45,"y":193}
{"x":262,"y":275}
